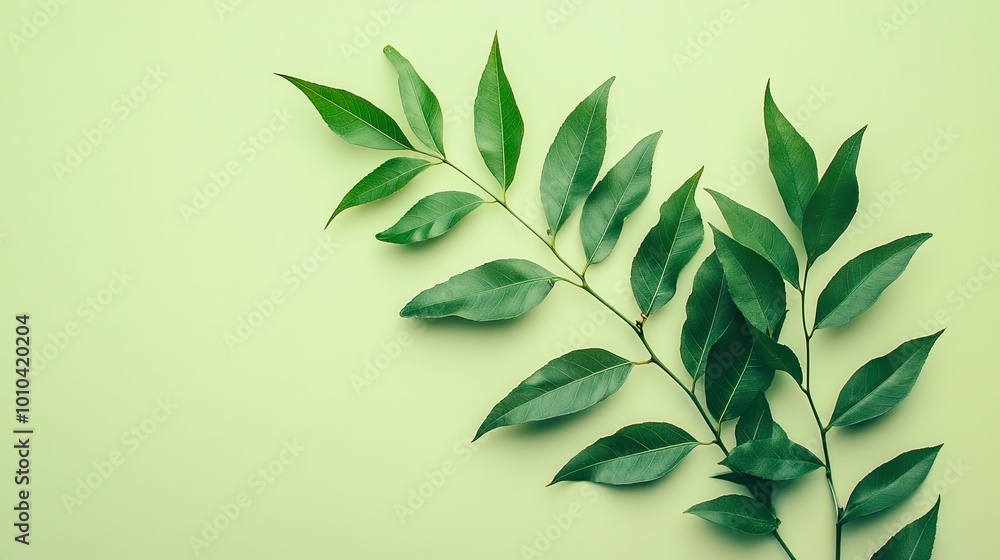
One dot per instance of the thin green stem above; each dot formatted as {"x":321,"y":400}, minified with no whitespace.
{"x":784,"y":546}
{"x":808,"y":333}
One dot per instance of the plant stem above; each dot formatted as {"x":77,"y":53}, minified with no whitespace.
{"x":808,"y":334}
{"x":784,"y":546}
{"x":636,"y":326}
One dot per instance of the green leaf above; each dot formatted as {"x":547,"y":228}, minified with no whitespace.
{"x":431,"y":216}
{"x":890,"y":483}
{"x":385,"y":180}
{"x":421,"y":106}
{"x":575,"y":157}
{"x":777,"y":356}
{"x":862,"y":280}
{"x":568,"y":384}
{"x":792,"y":160}
{"x":756,"y":421}
{"x":634,"y":454}
{"x":737,"y":512}
{"x":762,"y":490}
{"x":354,"y":118}
{"x":882,"y":383}
{"x":833,"y":205}
{"x":754,"y":283}
{"x":772,"y":459}
{"x":913,"y":542}
{"x":710,"y":309}
{"x":497,"y":290}
{"x":735,"y":374}
{"x":756,"y":232}
{"x":498,"y":123}
{"x":667,"y":249}
{"x":615,"y":197}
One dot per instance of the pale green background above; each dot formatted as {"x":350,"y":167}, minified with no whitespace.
{"x":162,"y":337}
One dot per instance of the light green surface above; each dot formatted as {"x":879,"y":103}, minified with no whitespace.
{"x":208,"y":100}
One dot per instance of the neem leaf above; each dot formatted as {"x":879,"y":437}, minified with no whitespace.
{"x":856,"y":286}
{"x":634,"y":454}
{"x":667,"y":249}
{"x":615,"y":197}
{"x":497,"y":290}
{"x":567,"y":384}
{"x":735,"y":373}
{"x":421,"y":106}
{"x":497,"y":120}
{"x":385,"y":180}
{"x":432,"y":216}
{"x":832,"y":207}
{"x":756,"y":232}
{"x":878,"y":386}
{"x":756,"y":421}
{"x":575,"y":157}
{"x":791,"y":159}
{"x":890,"y":483}
{"x":913,"y":542}
{"x":754,"y":283}
{"x":742,"y":513}
{"x":772,"y":459}
{"x":710,"y":309}
{"x":352,"y":117}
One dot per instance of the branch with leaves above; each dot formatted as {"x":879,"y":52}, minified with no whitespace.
{"x":734,"y":314}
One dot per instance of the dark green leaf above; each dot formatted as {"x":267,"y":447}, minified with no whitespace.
{"x":756,"y":232}
{"x":497,"y":290}
{"x":353,"y":118}
{"x":570,"y":383}
{"x":667,"y":249}
{"x":833,"y":205}
{"x":882,"y":383}
{"x":772,"y":459}
{"x":431,"y":217}
{"x":385,"y":180}
{"x":777,"y":356}
{"x":762,"y":490}
{"x":498,"y":123}
{"x":615,"y":197}
{"x":791,"y":159}
{"x":862,"y":280}
{"x":913,"y":542}
{"x":744,"y":514}
{"x":634,"y":454}
{"x":890,"y":483}
{"x":754,"y":283}
{"x":710,"y":309}
{"x":423,"y":111}
{"x":735,"y":373}
{"x":755,"y":422}
{"x":575,"y":157}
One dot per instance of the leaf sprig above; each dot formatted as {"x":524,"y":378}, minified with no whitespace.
{"x":735,"y":313}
